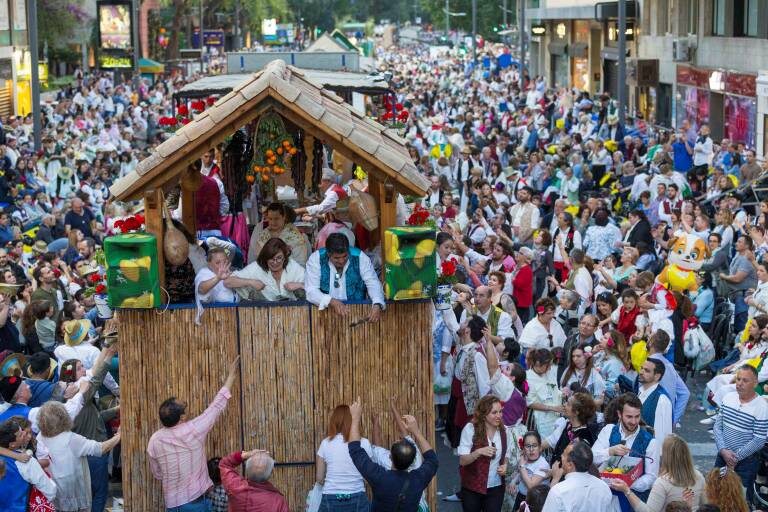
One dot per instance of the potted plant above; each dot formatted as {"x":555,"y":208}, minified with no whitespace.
{"x":445,"y":281}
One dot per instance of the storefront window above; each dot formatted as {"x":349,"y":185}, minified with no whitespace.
{"x":718,"y":18}
{"x":581,"y":74}
{"x":692,"y":104}
{"x":740,"y":119}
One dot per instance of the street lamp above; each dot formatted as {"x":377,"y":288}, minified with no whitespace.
{"x":448,"y":15}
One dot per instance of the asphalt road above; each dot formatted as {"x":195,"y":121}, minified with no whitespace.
{"x":699,"y":440}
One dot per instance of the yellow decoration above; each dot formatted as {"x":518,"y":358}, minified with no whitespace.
{"x":142,"y":301}
{"x":611,"y":145}
{"x":687,"y":254}
{"x":360,"y":173}
{"x":131,"y":269}
{"x":392,"y":245}
{"x":425,"y":247}
{"x":638,"y":354}
{"x":552,"y":149}
{"x":560,"y":123}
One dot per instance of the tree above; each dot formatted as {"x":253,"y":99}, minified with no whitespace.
{"x":58,"y":22}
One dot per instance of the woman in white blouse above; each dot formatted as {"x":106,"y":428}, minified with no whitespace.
{"x":274,"y":274}
{"x":67,"y":454}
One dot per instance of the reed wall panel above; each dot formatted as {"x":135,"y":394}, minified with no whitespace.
{"x":297,"y":364}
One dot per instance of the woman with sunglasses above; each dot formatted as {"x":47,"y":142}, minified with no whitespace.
{"x":579,"y":423}
{"x":542,"y":331}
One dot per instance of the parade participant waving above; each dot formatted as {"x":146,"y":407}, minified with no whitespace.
{"x":627,"y":437}
{"x":338,"y":273}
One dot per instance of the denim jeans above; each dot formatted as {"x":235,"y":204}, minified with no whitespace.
{"x":99,"y":468}
{"x":747,"y":471}
{"x":345,"y":503}
{"x":740,"y":312}
{"x":200,"y":505}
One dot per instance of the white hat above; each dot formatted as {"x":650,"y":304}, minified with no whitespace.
{"x":527,"y":252}
{"x":329,"y":174}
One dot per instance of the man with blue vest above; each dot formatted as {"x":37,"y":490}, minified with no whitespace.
{"x":19,"y":477}
{"x":17,"y":395}
{"x":341,"y":273}
{"x":657,"y":406}
{"x":627,"y":437}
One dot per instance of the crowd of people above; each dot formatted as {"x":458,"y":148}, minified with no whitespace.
{"x":563,"y":352}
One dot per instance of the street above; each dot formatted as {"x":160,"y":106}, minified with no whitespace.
{"x":699,"y":441}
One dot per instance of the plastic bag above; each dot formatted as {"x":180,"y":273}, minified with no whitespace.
{"x":691,"y":346}
{"x":314,"y":497}
{"x":706,"y":350}
{"x":638,"y":353}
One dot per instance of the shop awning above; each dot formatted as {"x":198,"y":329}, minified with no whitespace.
{"x":151,"y":66}
{"x":578,"y":50}
{"x":558,"y":47}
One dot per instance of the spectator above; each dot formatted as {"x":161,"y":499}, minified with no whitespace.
{"x":254,"y":492}
{"x":579,"y":491}
{"x":181,"y":466}
{"x":397,"y":488}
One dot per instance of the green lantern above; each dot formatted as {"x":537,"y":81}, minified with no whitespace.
{"x":409,"y":262}
{"x":133,"y":280}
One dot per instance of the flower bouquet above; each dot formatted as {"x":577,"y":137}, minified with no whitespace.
{"x":446,"y":278}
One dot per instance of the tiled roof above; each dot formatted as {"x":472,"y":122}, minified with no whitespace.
{"x":291,"y":88}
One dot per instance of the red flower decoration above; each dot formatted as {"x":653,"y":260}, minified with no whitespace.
{"x":520,"y":443}
{"x":448,"y":268}
{"x":387,"y":116}
{"x":139,"y":217}
{"x":183,"y":110}
{"x":403,"y":116}
{"x":185,"y":121}
{"x":198,"y":106}
{"x":398,"y":106}
{"x":101,"y":289}
{"x":95,"y":278}
{"x":210,"y":100}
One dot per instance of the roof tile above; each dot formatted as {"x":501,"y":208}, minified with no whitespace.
{"x":170,"y":146}
{"x":364,"y":141}
{"x":314,"y":109}
{"x":198,"y":127}
{"x":284,"y":88}
{"x":337,"y":120}
{"x":148,"y":163}
{"x":390,"y":158}
{"x":245,"y":83}
{"x":220,"y":112}
{"x":255,"y":87}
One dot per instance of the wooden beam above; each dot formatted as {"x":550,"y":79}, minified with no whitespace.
{"x":190,"y":182}
{"x":153,"y":218}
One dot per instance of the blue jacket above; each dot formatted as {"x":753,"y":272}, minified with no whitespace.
{"x":388,"y":484}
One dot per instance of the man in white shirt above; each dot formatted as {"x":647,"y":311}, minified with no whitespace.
{"x":657,"y":406}
{"x":338,"y":273}
{"x":628,"y":438}
{"x":499,"y":322}
{"x":525,"y":217}
{"x":332,"y":193}
{"x":703,"y":153}
{"x":580,"y":491}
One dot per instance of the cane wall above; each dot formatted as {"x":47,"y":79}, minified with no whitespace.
{"x":298,"y":363}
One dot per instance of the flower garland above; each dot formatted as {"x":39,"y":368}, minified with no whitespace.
{"x":182,"y":117}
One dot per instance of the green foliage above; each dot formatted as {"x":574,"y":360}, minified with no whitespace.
{"x":489,"y":14}
{"x":56,"y":24}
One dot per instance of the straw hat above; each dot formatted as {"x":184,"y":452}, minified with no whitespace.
{"x":76,"y":331}
{"x":11,"y":363}
{"x":40,"y":247}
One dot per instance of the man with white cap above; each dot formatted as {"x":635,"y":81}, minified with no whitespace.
{"x":333,"y":193}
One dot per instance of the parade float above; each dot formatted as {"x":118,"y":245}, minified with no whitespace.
{"x":297,"y":363}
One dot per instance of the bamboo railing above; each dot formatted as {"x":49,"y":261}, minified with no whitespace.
{"x":297,"y":364}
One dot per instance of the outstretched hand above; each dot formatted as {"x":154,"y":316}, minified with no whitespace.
{"x":356,"y":410}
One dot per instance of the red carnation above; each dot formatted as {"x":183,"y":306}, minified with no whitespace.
{"x":210,"y":100}
{"x":403,"y":116}
{"x":100,"y":289}
{"x":398,"y":106}
{"x":198,"y":106}
{"x":185,"y":121}
{"x":172,"y":121}
{"x":139,"y":217}
{"x":387,"y":115}
{"x":520,"y":443}
{"x":448,"y":268}
{"x":183,"y":110}
{"x":95,"y":278}
{"x":119,"y":223}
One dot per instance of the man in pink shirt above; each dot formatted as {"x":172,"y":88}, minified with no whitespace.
{"x":254,"y":493}
{"x":177,"y":451}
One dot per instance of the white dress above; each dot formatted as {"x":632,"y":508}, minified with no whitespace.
{"x":69,"y":468}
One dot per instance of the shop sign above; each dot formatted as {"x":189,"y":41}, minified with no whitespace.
{"x":538,"y":29}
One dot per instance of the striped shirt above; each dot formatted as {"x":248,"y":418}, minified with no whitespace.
{"x":741,"y":427}
{"x":177,"y":455}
